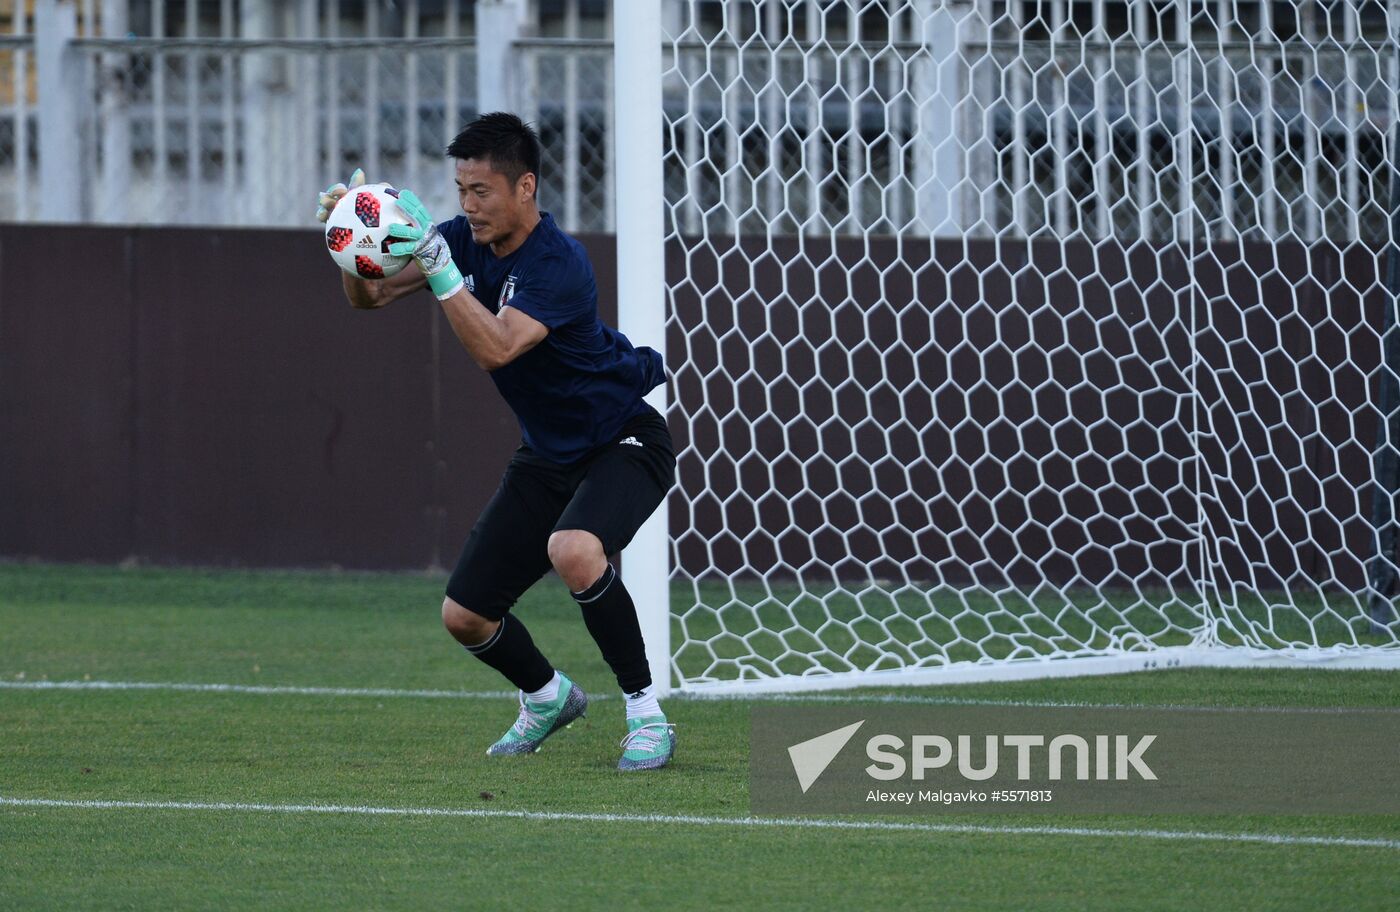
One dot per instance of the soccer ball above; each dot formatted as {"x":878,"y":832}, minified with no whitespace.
{"x":357,"y":232}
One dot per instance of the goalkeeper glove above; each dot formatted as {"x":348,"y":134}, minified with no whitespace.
{"x":426,"y":244}
{"x":332,"y":194}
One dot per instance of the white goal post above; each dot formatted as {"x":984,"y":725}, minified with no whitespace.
{"x":1013,"y":338}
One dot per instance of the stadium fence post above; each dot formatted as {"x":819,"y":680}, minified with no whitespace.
{"x":58,"y":66}
{"x":641,"y":287}
{"x":500,"y":20}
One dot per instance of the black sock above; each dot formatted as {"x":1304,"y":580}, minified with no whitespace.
{"x":611,"y":618}
{"x":512,"y":652}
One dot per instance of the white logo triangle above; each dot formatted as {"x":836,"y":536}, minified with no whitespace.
{"x":811,"y":758}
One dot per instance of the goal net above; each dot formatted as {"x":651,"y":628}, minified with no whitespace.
{"x":1028,"y":338}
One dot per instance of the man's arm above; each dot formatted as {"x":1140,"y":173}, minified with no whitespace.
{"x":368,"y":294}
{"x":493,"y":340}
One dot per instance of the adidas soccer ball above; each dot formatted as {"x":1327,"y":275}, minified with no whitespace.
{"x":357,"y":232}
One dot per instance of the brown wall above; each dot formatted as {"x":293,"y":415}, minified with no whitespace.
{"x":208,"y":397}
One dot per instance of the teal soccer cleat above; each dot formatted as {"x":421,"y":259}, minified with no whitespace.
{"x":650,"y":743}
{"x":538,"y":721}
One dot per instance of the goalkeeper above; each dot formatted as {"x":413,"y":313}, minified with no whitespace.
{"x":595,"y":460}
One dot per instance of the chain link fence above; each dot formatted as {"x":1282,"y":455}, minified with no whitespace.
{"x":570,"y":98}
{"x":19,"y":154}
{"x":218,"y":131}
{"x":1019,"y":118}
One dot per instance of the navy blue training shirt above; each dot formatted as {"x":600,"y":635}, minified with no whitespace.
{"x":577,"y":388}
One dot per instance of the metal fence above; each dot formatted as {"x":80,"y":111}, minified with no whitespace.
{"x":18,"y":131}
{"x":1008,"y":118}
{"x":1034,"y":117}
{"x":238,"y":132}
{"x":235,"y":112}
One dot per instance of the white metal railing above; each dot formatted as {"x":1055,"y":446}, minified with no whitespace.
{"x":18,"y":148}
{"x":235,"y":131}
{"x":951,"y":117}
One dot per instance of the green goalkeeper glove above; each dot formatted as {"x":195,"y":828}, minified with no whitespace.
{"x":332,"y":194}
{"x":426,"y":244}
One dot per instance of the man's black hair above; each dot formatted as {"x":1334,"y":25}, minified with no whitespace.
{"x":503,"y":139}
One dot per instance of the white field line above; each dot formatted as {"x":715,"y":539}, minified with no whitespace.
{"x":1282,"y":839}
{"x":829,"y":698}
{"x":259,"y":689}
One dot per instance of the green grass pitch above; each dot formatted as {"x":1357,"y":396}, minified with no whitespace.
{"x":581,"y":849}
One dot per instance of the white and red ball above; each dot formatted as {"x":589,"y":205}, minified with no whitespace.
{"x":357,"y":232}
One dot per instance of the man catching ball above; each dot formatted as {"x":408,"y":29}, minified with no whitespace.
{"x":595,"y":461}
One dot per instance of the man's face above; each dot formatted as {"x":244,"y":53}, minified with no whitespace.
{"x":495,"y":208}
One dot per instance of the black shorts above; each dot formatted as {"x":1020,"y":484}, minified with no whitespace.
{"x":609,"y":492}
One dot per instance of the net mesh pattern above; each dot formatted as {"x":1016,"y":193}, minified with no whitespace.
{"x":1014,"y":331}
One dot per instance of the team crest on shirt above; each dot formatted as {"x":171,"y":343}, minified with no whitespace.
{"x":507,"y":293}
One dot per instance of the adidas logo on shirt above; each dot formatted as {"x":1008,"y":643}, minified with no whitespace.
{"x":630,"y":441}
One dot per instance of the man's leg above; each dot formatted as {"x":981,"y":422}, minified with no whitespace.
{"x":508,"y":648}
{"x":607,"y":607}
{"x":621,"y":488}
{"x":505,"y":554}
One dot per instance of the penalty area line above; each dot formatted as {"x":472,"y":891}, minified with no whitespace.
{"x":821,"y":698}
{"x":1280,"y":839}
